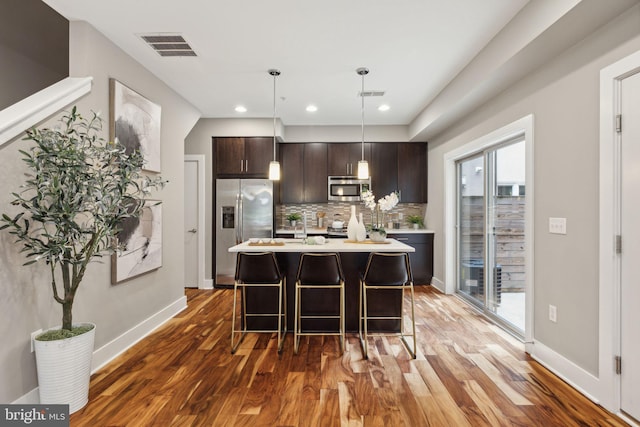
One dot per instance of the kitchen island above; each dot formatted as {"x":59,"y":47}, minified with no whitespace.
{"x":353,"y":257}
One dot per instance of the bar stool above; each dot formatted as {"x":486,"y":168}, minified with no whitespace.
{"x":389,"y":272}
{"x":258,"y":270}
{"x":318,"y":271}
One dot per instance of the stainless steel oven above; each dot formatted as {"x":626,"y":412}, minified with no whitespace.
{"x":346,"y":188}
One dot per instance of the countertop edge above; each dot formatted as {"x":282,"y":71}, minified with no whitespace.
{"x":312,"y":231}
{"x":332,"y":245}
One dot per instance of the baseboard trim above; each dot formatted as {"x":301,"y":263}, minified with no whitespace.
{"x":119,"y":345}
{"x":438,"y":284}
{"x":208,"y":284}
{"x":578,"y":378}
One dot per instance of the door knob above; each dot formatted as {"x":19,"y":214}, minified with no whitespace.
{"x":193,"y":230}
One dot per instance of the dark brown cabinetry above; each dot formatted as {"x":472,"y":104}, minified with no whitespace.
{"x":422,"y":259}
{"x":383,"y":168}
{"x":343,"y":158}
{"x":412,"y":172}
{"x":304,"y":173}
{"x":400,"y":166}
{"x":247,"y":157}
{"x":291,"y":173}
{"x":393,"y":166}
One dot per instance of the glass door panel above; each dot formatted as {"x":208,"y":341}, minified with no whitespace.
{"x":471,"y":222}
{"x":491,"y":239}
{"x":506,"y":249}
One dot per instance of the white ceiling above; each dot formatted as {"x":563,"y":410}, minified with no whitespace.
{"x":413,"y":48}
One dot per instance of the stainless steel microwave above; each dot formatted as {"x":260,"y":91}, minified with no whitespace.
{"x":346,"y":188}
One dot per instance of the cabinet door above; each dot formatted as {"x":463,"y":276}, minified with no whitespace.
{"x":258,"y":152}
{"x":384,"y":169}
{"x":292,"y":173}
{"x":422,"y":259}
{"x":343,"y":158}
{"x":339,"y":158}
{"x":229,"y":156}
{"x":315,"y":172}
{"x":412,"y":172}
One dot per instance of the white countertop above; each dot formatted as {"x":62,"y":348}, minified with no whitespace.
{"x":332,"y":245}
{"x":312,"y":231}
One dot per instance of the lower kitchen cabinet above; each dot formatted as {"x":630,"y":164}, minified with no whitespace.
{"x":422,"y":259}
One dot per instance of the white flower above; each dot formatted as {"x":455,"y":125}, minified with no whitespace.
{"x":388,"y":202}
{"x":369,"y":199}
{"x":384,"y":204}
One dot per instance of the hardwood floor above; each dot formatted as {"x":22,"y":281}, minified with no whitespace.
{"x":467,"y":373}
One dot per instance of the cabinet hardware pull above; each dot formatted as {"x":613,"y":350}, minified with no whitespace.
{"x":402,"y":238}
{"x":241,"y":165}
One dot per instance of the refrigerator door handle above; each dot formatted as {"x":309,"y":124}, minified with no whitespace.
{"x":237,"y":219}
{"x":240,"y":228}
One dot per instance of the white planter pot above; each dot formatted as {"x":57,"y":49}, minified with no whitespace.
{"x":64,"y":370}
{"x":378,"y":235}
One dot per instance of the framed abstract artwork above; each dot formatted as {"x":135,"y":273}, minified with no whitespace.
{"x":135,"y":121}
{"x":140,"y":242}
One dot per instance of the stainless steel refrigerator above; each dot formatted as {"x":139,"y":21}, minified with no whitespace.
{"x":244,"y":209}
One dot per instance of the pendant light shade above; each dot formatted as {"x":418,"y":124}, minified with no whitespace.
{"x":274,"y":170}
{"x":274,"y":165}
{"x":363,"y":165}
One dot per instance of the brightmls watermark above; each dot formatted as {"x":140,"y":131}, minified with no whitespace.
{"x":34,"y":415}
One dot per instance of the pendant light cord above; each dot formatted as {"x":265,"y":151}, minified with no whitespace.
{"x":275,"y":73}
{"x":362,"y":71}
{"x":362,"y":109}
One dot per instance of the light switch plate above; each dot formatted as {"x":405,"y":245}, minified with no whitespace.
{"x":558,"y":225}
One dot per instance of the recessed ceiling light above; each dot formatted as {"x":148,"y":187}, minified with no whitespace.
{"x":312,"y":108}
{"x":383,"y":107}
{"x":241,"y":109}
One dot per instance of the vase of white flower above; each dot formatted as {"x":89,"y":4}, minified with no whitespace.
{"x":377,"y":232}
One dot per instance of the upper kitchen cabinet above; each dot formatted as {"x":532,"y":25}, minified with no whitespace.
{"x":343,"y":158}
{"x":291,"y":173}
{"x":412,"y":172}
{"x":246,"y":157}
{"x":304,"y":173}
{"x":383,"y":168}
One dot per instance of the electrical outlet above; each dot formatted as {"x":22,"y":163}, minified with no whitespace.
{"x":33,"y":337}
{"x":558,"y":225}
{"x":553,"y":313}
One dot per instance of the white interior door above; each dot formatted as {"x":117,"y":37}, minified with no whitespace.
{"x":194,"y":221}
{"x":630,"y":231}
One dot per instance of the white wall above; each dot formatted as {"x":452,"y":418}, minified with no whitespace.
{"x":25,"y":293}
{"x":563,"y":97}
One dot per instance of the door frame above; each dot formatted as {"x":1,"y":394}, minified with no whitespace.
{"x":610,"y":209}
{"x":201,"y":164}
{"x":521,"y":127}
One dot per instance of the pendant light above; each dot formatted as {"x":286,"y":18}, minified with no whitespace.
{"x":274,"y":165}
{"x":363,"y":165}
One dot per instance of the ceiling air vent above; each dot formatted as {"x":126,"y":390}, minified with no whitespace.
{"x":169,"y":44}
{"x":371,"y":93}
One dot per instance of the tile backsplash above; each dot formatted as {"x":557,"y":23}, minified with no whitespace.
{"x":401,"y":210}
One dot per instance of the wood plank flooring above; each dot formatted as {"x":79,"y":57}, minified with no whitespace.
{"x":467,"y":373}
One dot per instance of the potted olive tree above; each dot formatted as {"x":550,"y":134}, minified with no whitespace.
{"x":78,"y":190}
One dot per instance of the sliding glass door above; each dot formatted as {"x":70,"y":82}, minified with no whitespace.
{"x":491,"y":220}
{"x":471,"y":223}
